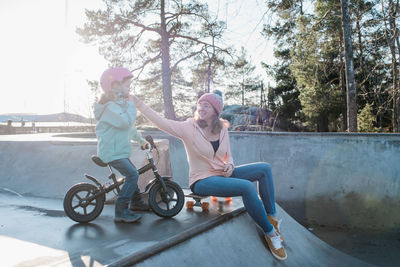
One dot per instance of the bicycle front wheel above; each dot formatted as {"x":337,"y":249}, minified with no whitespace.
{"x":166,"y":203}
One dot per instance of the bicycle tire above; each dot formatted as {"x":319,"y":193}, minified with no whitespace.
{"x":161,"y":205}
{"x":74,"y":202}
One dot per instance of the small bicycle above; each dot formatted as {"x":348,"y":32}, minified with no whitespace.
{"x":84,"y":201}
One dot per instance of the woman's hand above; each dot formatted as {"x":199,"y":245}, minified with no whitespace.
{"x":228,"y":170}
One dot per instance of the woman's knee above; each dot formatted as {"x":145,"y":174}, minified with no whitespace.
{"x":248,"y":187}
{"x":265,"y":167}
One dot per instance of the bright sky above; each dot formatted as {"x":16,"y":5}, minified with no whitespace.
{"x":44,"y":65}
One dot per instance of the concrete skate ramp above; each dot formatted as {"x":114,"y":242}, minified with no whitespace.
{"x":238,"y":242}
{"x":47,"y":165}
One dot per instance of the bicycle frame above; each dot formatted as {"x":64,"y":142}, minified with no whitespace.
{"x":152,"y":166}
{"x":161,"y":190}
{"x":118,"y":182}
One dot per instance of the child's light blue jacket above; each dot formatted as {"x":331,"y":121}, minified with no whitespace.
{"x":114,"y":129}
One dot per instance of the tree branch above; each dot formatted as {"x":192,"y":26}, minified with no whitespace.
{"x":197,"y":41}
{"x":145,"y":63}
{"x":185,"y":58}
{"x":136,"y":40}
{"x":137,"y":24}
{"x":174,"y":16}
{"x":321,"y":19}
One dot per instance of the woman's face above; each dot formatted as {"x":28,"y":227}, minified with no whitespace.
{"x":205,"y":110}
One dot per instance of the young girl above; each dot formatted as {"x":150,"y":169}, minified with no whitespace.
{"x":212,"y":171}
{"x":116,"y":114}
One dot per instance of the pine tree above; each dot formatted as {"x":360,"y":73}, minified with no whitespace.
{"x":242,"y":83}
{"x":283,"y":98}
{"x":366,"y":120}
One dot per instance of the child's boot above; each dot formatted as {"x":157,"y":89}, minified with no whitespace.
{"x":123,"y":214}
{"x":138,"y":204}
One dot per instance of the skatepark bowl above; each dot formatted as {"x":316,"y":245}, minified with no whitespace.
{"x":338,"y":196}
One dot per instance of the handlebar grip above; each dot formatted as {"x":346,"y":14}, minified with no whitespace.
{"x":146,"y":147}
{"x":150,"y":140}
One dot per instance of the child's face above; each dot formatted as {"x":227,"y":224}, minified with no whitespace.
{"x":126,"y":86}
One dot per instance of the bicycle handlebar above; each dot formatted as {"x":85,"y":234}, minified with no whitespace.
{"x":150,"y":147}
{"x":150,"y":140}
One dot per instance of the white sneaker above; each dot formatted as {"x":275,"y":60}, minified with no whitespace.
{"x":277,"y":225}
{"x":275,"y":245}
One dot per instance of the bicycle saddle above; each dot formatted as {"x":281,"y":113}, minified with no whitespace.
{"x":98,"y":161}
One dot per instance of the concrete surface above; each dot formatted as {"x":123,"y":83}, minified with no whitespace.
{"x":35,"y":232}
{"x":335,"y":179}
{"x":375,"y":247}
{"x":350,"y":175}
{"x":239,"y":243}
{"x":47,"y":165}
{"x":43,"y":165}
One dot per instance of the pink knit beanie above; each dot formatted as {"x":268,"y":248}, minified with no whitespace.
{"x":214,"y":99}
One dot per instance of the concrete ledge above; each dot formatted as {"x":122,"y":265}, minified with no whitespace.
{"x":177,"y":239}
{"x":47,"y":165}
{"x":239,"y":242}
{"x":334,"y":179}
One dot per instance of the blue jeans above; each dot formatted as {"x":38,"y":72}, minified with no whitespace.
{"x":240,"y":184}
{"x":127,"y":169}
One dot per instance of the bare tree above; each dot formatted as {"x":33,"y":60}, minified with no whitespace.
{"x":391,"y":35}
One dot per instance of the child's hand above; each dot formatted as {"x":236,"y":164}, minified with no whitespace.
{"x":145,"y":146}
{"x":103,"y":99}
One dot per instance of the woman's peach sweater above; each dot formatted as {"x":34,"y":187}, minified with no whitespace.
{"x":203,"y":161}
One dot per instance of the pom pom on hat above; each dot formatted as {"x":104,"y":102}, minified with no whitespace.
{"x":217,"y":92}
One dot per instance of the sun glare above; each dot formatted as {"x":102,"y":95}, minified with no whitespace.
{"x":44,"y":66}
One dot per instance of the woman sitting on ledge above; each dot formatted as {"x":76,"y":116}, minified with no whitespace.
{"x":212,"y":171}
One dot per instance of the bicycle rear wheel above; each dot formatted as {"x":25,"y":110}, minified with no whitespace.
{"x":77,"y":205}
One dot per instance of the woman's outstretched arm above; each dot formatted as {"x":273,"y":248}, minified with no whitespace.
{"x":171,"y":127}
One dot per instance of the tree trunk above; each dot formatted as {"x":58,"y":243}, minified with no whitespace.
{"x":262,"y":97}
{"x":166,"y":68}
{"x":243,"y":90}
{"x":398,"y":85}
{"x":342,"y":78}
{"x":209,"y":65}
{"x":350,"y":82}
{"x":392,"y":45}
{"x":363,"y":71}
{"x":323,"y":123}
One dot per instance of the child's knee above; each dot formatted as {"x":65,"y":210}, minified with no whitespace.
{"x":133,"y":175}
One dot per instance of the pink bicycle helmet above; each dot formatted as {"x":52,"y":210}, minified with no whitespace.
{"x":113,"y":75}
